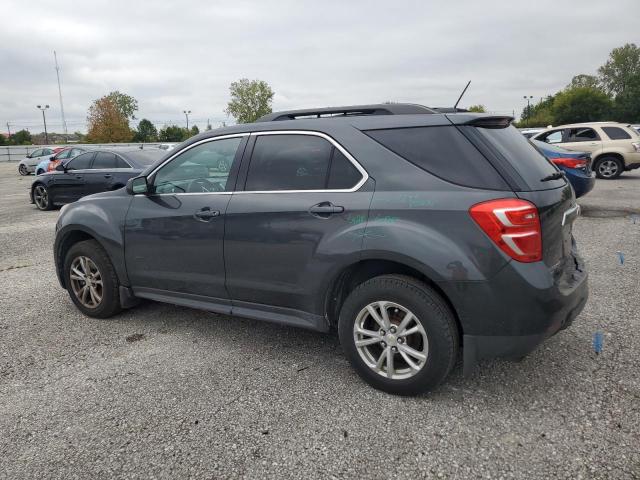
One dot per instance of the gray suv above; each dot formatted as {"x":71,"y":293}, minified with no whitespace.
{"x":415,"y":234}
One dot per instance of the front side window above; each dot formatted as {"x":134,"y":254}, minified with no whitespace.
{"x":616,"y":133}
{"x":81,"y":162}
{"x":201,"y":169}
{"x":298,"y":162}
{"x":582,"y":135}
{"x":555,"y":136}
{"x":37,"y":153}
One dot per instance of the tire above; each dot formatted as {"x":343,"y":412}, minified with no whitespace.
{"x":22,"y":170}
{"x":41,"y":197}
{"x":40,"y":172}
{"x":608,"y":167}
{"x":437,"y":341}
{"x":93,"y":256}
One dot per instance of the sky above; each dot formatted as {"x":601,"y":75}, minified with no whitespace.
{"x":174,"y":56}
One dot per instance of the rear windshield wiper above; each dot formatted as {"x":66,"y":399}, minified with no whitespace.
{"x":553,"y":176}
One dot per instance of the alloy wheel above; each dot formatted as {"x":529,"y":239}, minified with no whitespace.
{"x":41,"y":197}
{"x":608,"y":168}
{"x":86,"y":282}
{"x":391,"y":340}
{"x":22,"y":170}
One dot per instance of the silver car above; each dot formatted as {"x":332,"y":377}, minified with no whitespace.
{"x":28,"y":164}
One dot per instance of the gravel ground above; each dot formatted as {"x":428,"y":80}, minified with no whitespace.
{"x":168,"y":392}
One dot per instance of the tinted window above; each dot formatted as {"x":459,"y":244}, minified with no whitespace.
{"x":615,"y":133}
{"x":530,"y":164}
{"x":104,"y":160}
{"x":444,"y":152}
{"x":203,"y":168}
{"x":120,"y":163}
{"x":343,"y":175}
{"x":289,"y":162}
{"x":582,"y":135}
{"x":81,"y":162}
{"x":555,"y":136}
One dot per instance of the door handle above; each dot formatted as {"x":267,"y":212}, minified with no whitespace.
{"x":205,"y":214}
{"x":79,"y":177}
{"x":108,"y":175}
{"x":324,"y":209}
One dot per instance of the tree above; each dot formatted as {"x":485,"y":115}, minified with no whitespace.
{"x":622,"y":69}
{"x":582,"y":80}
{"x":172,"y":133}
{"x":250,"y":99}
{"x":194,"y":131}
{"x":107,"y":122}
{"x":21,"y":137}
{"x":146,"y":132}
{"x":126,"y":104}
{"x":581,"y":104}
{"x":477,"y":108}
{"x":627,"y":103}
{"x":3,"y":140}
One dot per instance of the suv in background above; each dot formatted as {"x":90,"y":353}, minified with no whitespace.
{"x":614,"y":147}
{"x":413,"y":233}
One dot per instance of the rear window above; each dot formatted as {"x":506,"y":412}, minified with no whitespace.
{"x":527,"y":161}
{"x":444,"y":152}
{"x":616,"y":133}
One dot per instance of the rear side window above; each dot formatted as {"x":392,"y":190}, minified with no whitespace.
{"x":444,"y":152}
{"x":616,"y":133}
{"x":527,"y":161}
{"x":104,"y":160}
{"x":582,"y":135}
{"x":298,"y":162}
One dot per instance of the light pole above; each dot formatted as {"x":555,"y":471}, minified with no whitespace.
{"x":186,"y":114}
{"x":44,"y":119}
{"x":528,"y":99}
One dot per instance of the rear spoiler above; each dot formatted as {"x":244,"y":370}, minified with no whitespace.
{"x":491,"y":122}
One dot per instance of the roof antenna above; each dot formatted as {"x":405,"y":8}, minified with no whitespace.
{"x":460,"y":97}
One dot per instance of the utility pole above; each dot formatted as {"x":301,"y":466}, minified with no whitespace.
{"x":44,"y":119}
{"x":9,"y":130}
{"x":64,"y":122}
{"x":528,"y":108}
{"x":186,"y":114}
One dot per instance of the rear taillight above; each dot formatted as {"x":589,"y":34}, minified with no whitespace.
{"x":636,"y":146}
{"x":513,"y":225}
{"x":570,"y":162}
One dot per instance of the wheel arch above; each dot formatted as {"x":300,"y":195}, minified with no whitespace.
{"x":356,"y":273}
{"x":617,"y":155}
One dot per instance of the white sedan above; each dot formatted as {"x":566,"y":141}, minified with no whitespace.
{"x":28,"y":164}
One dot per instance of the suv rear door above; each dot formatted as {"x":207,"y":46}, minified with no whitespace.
{"x":584,"y":139}
{"x":174,"y":234}
{"x":299,"y":196}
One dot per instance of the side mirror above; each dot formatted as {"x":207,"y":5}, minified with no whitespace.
{"x":137,"y":185}
{"x":52,"y":157}
{"x":60,"y":168}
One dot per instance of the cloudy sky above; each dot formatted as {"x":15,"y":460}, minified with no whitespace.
{"x":174,"y":55}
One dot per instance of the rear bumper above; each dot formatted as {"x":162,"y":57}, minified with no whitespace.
{"x":511,"y":314}
{"x":581,"y":182}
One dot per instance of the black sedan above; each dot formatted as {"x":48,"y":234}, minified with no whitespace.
{"x":91,"y":172}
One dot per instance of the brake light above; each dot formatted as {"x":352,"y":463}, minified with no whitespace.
{"x":570,"y":162}
{"x":52,"y":165}
{"x":513,"y":224}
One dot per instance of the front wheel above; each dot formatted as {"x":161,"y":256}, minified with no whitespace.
{"x":41,"y":197}
{"x":91,"y":280}
{"x":609,"y":168}
{"x":399,"y":334}
{"x":22,"y":170}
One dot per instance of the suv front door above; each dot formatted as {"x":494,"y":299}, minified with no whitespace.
{"x":174,"y":234}
{"x":292,"y":223}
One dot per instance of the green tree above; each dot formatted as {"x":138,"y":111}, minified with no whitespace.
{"x":581,"y":104}
{"x":107,"y":122}
{"x":21,"y":137}
{"x":477,"y":108}
{"x":622,"y":70}
{"x":582,"y":80}
{"x":250,"y":99}
{"x":172,"y":133}
{"x":146,"y":132}
{"x":627,"y":103}
{"x":194,"y":131}
{"x":3,"y":139}
{"x":126,"y":104}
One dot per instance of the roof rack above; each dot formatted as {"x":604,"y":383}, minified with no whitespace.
{"x":352,"y":110}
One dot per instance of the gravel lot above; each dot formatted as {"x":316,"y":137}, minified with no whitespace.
{"x":168,"y":392}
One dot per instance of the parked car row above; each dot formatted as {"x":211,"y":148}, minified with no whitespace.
{"x":29,"y":163}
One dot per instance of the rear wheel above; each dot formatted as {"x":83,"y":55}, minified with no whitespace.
{"x":91,"y":280}
{"x":41,"y":197}
{"x":609,"y":168}
{"x":398,"y":334}
{"x":22,"y":169}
